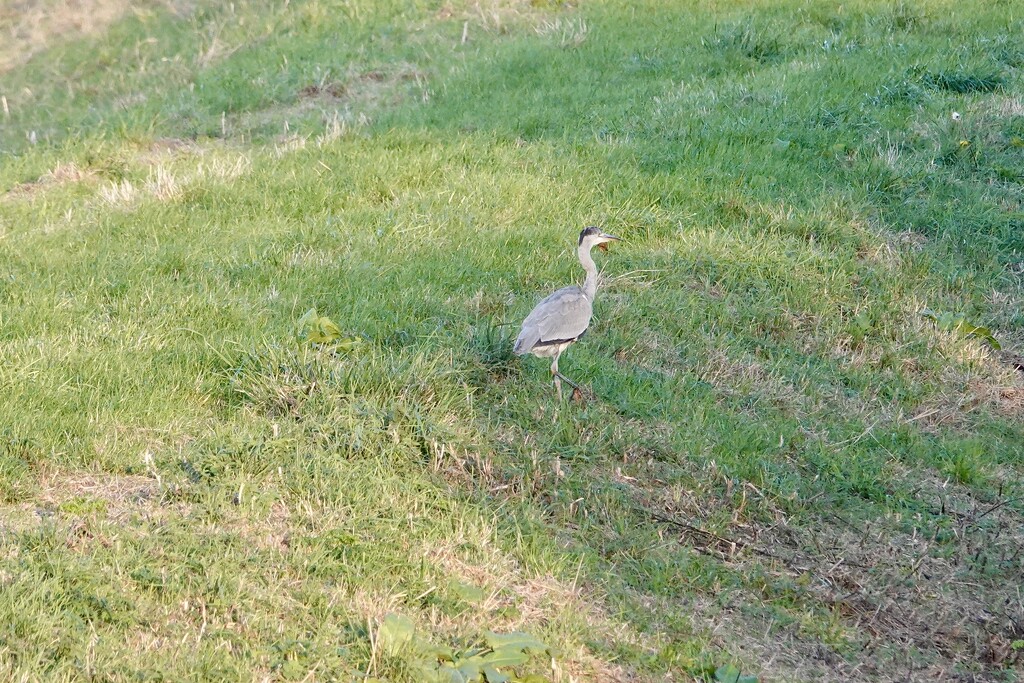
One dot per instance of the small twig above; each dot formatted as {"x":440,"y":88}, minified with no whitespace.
{"x":923,"y":415}
{"x":835,"y":566}
{"x":997,"y":506}
{"x":579,"y":568}
{"x":856,"y":439}
{"x":917,"y":565}
{"x":371,"y":665}
{"x":732,"y":544}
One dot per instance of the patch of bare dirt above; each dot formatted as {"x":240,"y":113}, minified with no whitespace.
{"x":336,"y":90}
{"x":1014,"y":361}
{"x":162,"y":150}
{"x":910,"y":239}
{"x":61,"y":174}
{"x":373,"y":86}
{"x":342,"y":102}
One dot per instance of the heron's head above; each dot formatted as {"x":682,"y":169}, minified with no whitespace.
{"x":592,"y":236}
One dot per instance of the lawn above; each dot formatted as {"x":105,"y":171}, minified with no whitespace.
{"x":801,"y":454}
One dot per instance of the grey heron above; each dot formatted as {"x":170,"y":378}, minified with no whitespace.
{"x":562,"y":317}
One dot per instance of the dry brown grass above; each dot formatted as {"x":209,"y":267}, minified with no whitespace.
{"x":741,"y":377}
{"x":172,"y":166}
{"x":1008,"y":107}
{"x":272,"y":532}
{"x":781,"y":652}
{"x":919,"y":597}
{"x":513,"y":599}
{"x":113,"y":496}
{"x":489,"y":16}
{"x":169,"y":178}
{"x":162,"y":150}
{"x":994,"y":385}
{"x":119,"y":492}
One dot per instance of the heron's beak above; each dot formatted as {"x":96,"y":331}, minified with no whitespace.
{"x":603,"y":246}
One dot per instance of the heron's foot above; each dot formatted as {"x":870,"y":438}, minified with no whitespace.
{"x":579,"y":393}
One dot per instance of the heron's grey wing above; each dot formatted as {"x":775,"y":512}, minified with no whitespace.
{"x":560,"y":317}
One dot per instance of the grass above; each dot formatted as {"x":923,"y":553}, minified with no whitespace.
{"x":786,"y":468}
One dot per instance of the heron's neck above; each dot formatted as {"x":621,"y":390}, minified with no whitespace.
{"x":590,"y":284}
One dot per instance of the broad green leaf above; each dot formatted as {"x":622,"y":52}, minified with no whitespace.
{"x":327,"y":329}
{"x":437,"y":652}
{"x":318,"y":329}
{"x":516,"y":640}
{"x":948,"y":321}
{"x":395,"y":634}
{"x":292,"y":670}
{"x":532,"y":678}
{"x":469,"y":668}
{"x":443,"y":673}
{"x":307,"y":320}
{"x":506,"y":656}
{"x":727,"y":673}
{"x":348,"y":343}
{"x":492,"y":675}
{"x":467,"y":592}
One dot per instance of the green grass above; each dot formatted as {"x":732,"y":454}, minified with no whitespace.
{"x":785,"y":467}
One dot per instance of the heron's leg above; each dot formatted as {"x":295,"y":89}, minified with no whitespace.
{"x":559,"y":378}
{"x":556,"y":375}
